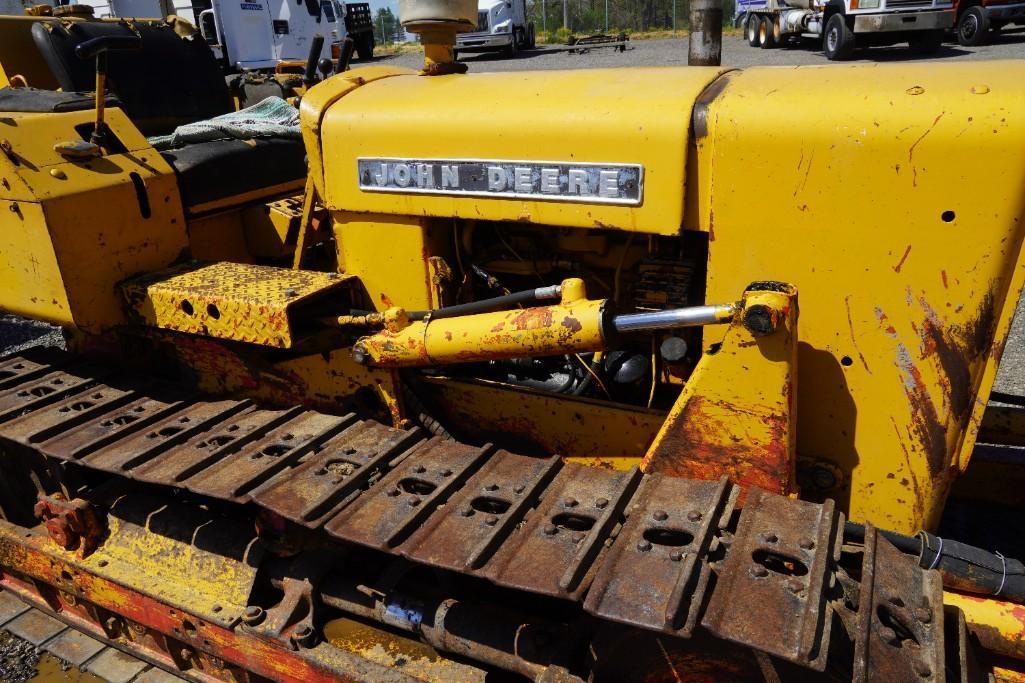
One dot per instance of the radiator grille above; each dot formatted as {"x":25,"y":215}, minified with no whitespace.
{"x":909,"y":3}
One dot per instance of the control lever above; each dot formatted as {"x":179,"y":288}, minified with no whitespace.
{"x":345,"y":55}
{"x":310,"y":76}
{"x":98,"y":48}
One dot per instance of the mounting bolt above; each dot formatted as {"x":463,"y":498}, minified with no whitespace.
{"x":413,"y":501}
{"x":676,"y":556}
{"x":770,"y":537}
{"x":253,"y":615}
{"x":185,"y":654}
{"x":550,"y":529}
{"x":491,"y":521}
{"x":491,"y":487}
{"x":759,"y":571}
{"x":394,"y":492}
{"x":577,"y":538}
{"x":694,"y":516}
{"x":601,"y":503}
{"x":795,"y":586}
{"x":888,"y":635}
{"x":290,"y":292}
{"x":446,"y":472}
{"x":806,"y":543}
{"x":569,"y":502}
{"x":923,"y":615}
{"x":519,"y":488}
{"x":644,"y":546}
{"x":467,"y":512}
{"x":660,"y":515}
{"x":419,"y":469}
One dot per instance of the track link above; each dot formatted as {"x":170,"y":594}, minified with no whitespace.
{"x":663,"y":554}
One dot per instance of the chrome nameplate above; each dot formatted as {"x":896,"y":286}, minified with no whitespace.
{"x":549,"y":180}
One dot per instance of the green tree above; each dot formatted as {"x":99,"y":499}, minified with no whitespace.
{"x":386,"y":26}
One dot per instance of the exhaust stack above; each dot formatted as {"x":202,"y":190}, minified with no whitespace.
{"x":437,"y":22}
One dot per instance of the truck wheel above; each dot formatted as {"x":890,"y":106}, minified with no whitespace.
{"x":972,"y":27}
{"x":767,"y":33}
{"x":513,"y":47}
{"x":365,"y":48}
{"x":926,"y":42}
{"x":751,"y":28}
{"x":838,"y":41}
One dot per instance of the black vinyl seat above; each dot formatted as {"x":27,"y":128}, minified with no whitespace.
{"x":169,"y":82}
{"x":209,"y":171}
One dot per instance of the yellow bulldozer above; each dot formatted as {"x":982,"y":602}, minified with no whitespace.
{"x":637,"y":374}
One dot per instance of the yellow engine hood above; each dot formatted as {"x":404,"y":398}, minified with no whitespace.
{"x":563,"y":124}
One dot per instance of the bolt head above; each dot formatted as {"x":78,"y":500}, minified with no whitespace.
{"x":806,"y":543}
{"x":923,"y":615}
{"x":467,"y":512}
{"x":519,"y":488}
{"x":290,"y":291}
{"x":413,"y":501}
{"x":660,"y":515}
{"x":577,"y":538}
{"x":491,"y":521}
{"x":491,"y":487}
{"x":770,"y":537}
{"x":694,"y":516}
{"x":550,"y":529}
{"x":676,"y":556}
{"x":446,"y":472}
{"x":569,"y":502}
{"x":644,"y":546}
{"x":759,"y":571}
{"x":601,"y":503}
{"x":795,"y":585}
{"x":419,"y":469}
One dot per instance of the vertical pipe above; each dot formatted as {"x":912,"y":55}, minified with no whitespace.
{"x":565,"y":13}
{"x":705,"y":33}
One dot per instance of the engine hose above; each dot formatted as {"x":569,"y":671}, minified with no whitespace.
{"x":588,"y":380}
{"x":964,"y":567}
{"x":425,"y":419}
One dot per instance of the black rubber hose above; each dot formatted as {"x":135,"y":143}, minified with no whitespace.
{"x":972,"y":569}
{"x":964,"y":567}
{"x":482,"y":306}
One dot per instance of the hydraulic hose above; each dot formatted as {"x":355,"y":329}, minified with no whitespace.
{"x":964,"y":567}
{"x":493,"y":304}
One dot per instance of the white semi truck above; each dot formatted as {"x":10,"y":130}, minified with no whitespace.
{"x":843,"y":25}
{"x":253,"y":35}
{"x":502,"y":26}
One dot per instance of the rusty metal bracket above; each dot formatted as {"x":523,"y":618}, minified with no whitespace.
{"x":657,"y":572}
{"x":72,"y":524}
{"x":771,"y":589}
{"x":900,"y":617}
{"x":292,"y":620}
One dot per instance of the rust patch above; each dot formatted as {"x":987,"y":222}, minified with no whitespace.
{"x":900,"y":264}
{"x":531,"y":319}
{"x":572,"y":324}
{"x":693,"y":446}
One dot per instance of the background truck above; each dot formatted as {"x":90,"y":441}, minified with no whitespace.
{"x":843,"y":25}
{"x":502,"y":25}
{"x":978,"y":20}
{"x":253,"y":35}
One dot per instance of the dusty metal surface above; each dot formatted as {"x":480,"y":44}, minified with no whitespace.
{"x":657,"y":575}
{"x":533,"y":524}
{"x":771,"y":592}
{"x":235,"y":301}
{"x":900,"y":629}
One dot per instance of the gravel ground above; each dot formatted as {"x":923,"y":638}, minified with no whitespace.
{"x":736,"y":52}
{"x":18,"y":659}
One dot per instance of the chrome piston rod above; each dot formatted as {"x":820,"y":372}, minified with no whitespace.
{"x":692,"y":316}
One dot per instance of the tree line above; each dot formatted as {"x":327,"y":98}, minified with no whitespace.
{"x":583,"y":17}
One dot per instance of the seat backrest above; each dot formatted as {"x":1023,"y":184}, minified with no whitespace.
{"x":170,"y":81}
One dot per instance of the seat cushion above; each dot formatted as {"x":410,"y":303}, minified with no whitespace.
{"x":33,"y":101}
{"x":170,"y":81}
{"x":210,"y":171}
